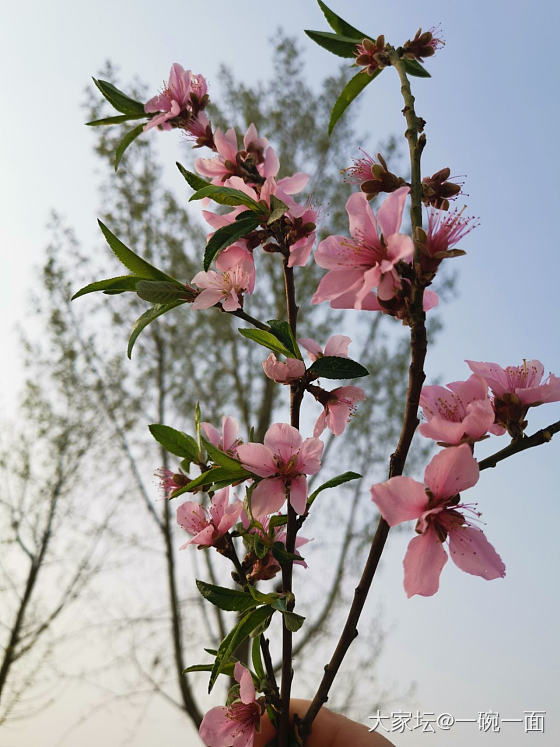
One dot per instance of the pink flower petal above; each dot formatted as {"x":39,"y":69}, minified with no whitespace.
{"x":362,"y":223}
{"x":298,"y":494}
{"x":452,"y":470}
{"x":283,"y":440}
{"x":312,"y":347}
{"x":230,"y":429}
{"x":399,"y":499}
{"x":247,"y":688}
{"x":258,"y":459}
{"x":389,"y":215}
{"x":293,"y":184}
{"x":423,"y":564}
{"x":268,"y":496}
{"x":472,"y":553}
{"x":337,"y":345}
{"x":309,"y":457}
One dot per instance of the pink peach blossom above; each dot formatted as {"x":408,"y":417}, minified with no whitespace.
{"x":337,"y":345}
{"x":445,"y":230}
{"x":177,"y":97}
{"x":208,"y":526}
{"x":227,"y":440}
{"x":524,"y":381}
{"x":356,"y":266}
{"x":283,"y":372}
{"x":341,"y":403}
{"x":170,"y":481}
{"x":283,"y":460}
{"x":236,"y":276}
{"x":236,"y":724}
{"x":230,"y":161}
{"x":440,"y":516}
{"x":460,"y":412}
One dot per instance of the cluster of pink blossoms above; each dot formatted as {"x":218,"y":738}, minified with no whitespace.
{"x":458,"y":416}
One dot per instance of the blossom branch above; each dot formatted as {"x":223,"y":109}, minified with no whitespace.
{"x":418,"y":348}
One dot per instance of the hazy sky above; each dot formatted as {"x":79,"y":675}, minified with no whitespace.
{"x":492,"y":114}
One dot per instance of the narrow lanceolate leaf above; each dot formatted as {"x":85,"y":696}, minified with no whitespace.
{"x":113,"y":285}
{"x":118,"y":99}
{"x":224,"y":460}
{"x":251,"y":621}
{"x":227,"y":235}
{"x":226,"y":196}
{"x":335,"y":367}
{"x":130,"y":136}
{"x":147,"y":318}
{"x":137,"y":265}
{"x":174,"y":441}
{"x":227,"y":669}
{"x":160,"y":291}
{"x":340,"y":26}
{"x":119,"y":119}
{"x":226,"y":599}
{"x":343,"y":46}
{"x":217,"y":476}
{"x":282,"y":330}
{"x":413,"y":67}
{"x":267,"y":339}
{"x":193,"y":180}
{"x":335,"y":482}
{"x":354,"y":86}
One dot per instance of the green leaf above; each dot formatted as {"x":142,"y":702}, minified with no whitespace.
{"x":248,"y":623}
{"x":336,"y":367}
{"x":194,"y":180}
{"x":339,"y":25}
{"x":293,"y":621}
{"x":227,"y":235}
{"x":277,"y":521}
{"x":282,"y":330}
{"x":160,"y":291}
{"x":114,"y":285}
{"x":119,"y":119}
{"x":197,"y":420}
{"x":221,"y":476}
{"x":338,"y":480}
{"x":147,"y":318}
{"x":343,"y":46}
{"x":223,"y":459}
{"x":256,"y":658}
{"x":267,"y":339}
{"x":120,"y":100}
{"x":130,"y":136}
{"x":174,"y":441}
{"x":277,"y":209}
{"x":282,"y":555}
{"x":354,"y":86}
{"x":226,"y":196}
{"x":226,"y":599}
{"x":413,"y":67}
{"x":226,"y":669}
{"x":137,"y":265}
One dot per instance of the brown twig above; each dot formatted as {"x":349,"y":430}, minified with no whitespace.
{"x":527,"y":442}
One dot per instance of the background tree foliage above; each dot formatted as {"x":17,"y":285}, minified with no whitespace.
{"x":184,"y":357}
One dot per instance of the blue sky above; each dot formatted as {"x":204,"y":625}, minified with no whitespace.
{"x":492,"y":113}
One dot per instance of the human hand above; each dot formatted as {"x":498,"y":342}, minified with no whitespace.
{"x":329,"y":730}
